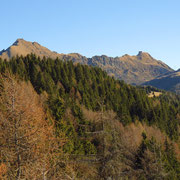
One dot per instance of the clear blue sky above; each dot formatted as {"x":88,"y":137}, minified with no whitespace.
{"x":96,"y":27}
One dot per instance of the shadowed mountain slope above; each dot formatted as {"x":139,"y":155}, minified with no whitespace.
{"x":169,"y":82}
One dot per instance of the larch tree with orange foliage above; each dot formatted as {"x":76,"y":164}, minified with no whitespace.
{"x":28,"y":147}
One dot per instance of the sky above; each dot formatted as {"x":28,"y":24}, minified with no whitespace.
{"x":96,"y":27}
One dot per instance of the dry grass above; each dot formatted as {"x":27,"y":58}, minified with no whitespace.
{"x":154,"y":94}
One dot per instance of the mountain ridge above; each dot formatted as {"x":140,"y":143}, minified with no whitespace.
{"x":168,"y":82}
{"x":135,"y":69}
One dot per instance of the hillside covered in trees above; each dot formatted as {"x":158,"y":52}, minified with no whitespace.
{"x":64,"y":121}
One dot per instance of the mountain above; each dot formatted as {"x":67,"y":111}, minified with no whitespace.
{"x":169,"y":82}
{"x":132,"y":69}
{"x":22,"y":47}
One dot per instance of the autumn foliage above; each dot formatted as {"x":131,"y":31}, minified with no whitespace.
{"x":27,"y":139}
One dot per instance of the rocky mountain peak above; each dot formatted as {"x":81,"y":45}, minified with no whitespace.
{"x":144,"y":55}
{"x":18,"y":41}
{"x":141,"y":53}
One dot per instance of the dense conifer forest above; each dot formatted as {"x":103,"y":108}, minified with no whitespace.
{"x":85,"y":122}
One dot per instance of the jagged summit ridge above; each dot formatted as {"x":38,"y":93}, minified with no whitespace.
{"x":132,"y":69}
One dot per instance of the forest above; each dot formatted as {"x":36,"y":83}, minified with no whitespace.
{"x":61,"y":120}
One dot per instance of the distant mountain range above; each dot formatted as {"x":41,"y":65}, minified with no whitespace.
{"x":132,"y":69}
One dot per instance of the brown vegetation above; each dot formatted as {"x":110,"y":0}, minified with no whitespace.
{"x":28,"y":146}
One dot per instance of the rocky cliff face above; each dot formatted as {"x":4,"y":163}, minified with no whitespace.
{"x":132,"y":69}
